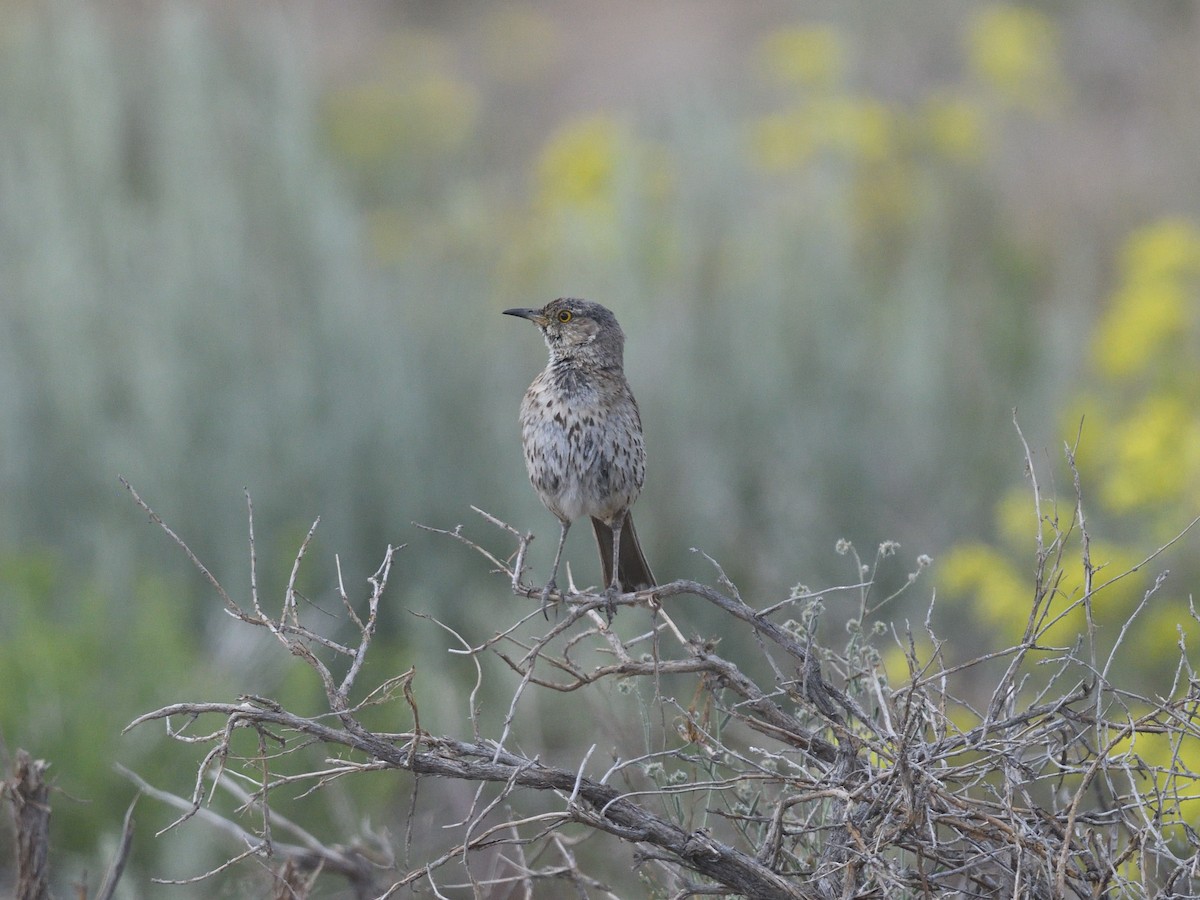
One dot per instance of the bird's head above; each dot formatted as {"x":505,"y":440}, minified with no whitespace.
{"x":577,"y":328}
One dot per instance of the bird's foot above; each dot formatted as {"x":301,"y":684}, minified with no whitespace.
{"x":549,"y":589}
{"x":611,"y":593}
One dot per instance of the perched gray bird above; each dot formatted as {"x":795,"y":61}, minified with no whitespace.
{"x":582,"y":436}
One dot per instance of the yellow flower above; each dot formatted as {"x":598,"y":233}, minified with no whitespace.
{"x":1003,"y":596}
{"x":1016,"y":519}
{"x":1144,"y":318}
{"x":1168,"y":761}
{"x":858,"y":127}
{"x":577,"y":167}
{"x":1156,"y":454}
{"x":809,"y":56}
{"x":954,"y":128}
{"x":1014,"y":50}
{"x":1110,"y":606}
{"x":1169,"y":249}
{"x":999,"y":594}
{"x":895,"y":663}
{"x":1153,"y":308}
{"x":592,"y":176}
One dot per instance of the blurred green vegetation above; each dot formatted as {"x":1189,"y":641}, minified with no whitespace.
{"x":235,"y":259}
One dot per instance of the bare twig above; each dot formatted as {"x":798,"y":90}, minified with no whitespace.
{"x":117,"y":867}
{"x":793,"y":771}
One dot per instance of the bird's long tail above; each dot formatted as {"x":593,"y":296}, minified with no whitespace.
{"x":632,"y":569}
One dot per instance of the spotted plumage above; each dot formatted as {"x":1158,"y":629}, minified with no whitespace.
{"x":582,"y":436}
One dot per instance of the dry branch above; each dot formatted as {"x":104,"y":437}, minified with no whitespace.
{"x":29,"y":795}
{"x":794,"y":772}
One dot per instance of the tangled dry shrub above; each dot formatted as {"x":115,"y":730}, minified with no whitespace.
{"x":801,"y":773}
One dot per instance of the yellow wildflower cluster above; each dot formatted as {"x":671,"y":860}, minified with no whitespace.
{"x":1140,"y":456}
{"x":1160,"y":756}
{"x":577,"y":168}
{"x":595,"y":181}
{"x":1145,"y":351}
{"x":1151,"y":312}
{"x":826,"y":122}
{"x":1155,"y":455}
{"x":827,"y":119}
{"x":845,"y":126}
{"x":1002,"y":590}
{"x":1014,"y":51}
{"x":885,"y":148}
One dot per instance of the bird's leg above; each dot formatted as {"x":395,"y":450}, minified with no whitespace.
{"x":551,"y":585}
{"x":614,"y":586}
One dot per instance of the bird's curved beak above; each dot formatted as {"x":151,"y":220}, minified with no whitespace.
{"x":533,"y":315}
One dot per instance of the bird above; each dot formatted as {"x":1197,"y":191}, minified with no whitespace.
{"x":582,"y":436}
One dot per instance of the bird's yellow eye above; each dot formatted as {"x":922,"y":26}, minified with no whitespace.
{"x":564,"y":315}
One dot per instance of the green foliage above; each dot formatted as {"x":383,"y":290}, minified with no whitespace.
{"x":81,"y":660}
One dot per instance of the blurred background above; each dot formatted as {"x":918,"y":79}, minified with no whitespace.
{"x":265,"y":246}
